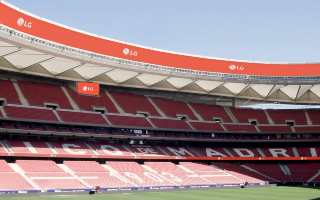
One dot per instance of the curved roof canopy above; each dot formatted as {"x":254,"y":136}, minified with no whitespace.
{"x":32,"y":45}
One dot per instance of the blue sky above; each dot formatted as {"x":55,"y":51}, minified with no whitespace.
{"x":269,"y":30}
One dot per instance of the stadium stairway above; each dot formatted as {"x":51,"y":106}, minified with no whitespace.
{"x":73,"y":104}
{"x":20,"y":171}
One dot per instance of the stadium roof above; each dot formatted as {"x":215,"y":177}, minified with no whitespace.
{"x":32,"y":45}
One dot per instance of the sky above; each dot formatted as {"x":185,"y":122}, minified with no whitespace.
{"x":256,"y":30}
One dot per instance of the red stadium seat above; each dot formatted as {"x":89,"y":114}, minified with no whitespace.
{"x":81,"y":117}
{"x":128,"y":121}
{"x":314,"y":116}
{"x":275,"y":128}
{"x":208,"y":112}
{"x":30,"y":113}
{"x":47,"y":175}
{"x":244,"y":115}
{"x":11,"y":180}
{"x":8,"y":92}
{"x":90,"y":102}
{"x":166,"y":123}
{"x":173,"y":108}
{"x":46,"y":93}
{"x":207,"y":126}
{"x":240,"y":128}
{"x":133,"y":103}
{"x":281,"y":116}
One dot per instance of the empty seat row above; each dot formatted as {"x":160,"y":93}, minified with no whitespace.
{"x":45,"y":175}
{"x":115,"y":102}
{"x":39,"y":114}
{"x":48,"y":175}
{"x":29,"y":148}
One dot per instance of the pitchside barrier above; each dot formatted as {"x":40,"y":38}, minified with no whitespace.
{"x":132,"y":189}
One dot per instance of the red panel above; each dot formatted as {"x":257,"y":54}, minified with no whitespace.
{"x":87,"y":88}
{"x":59,"y":34}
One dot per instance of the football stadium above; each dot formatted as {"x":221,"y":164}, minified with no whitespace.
{"x":82,"y":114}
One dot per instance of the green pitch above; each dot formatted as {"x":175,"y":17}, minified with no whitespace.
{"x":266,"y":193}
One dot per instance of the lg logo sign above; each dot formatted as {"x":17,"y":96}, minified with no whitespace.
{"x":236,"y":67}
{"x":88,"y":89}
{"x":129,"y":52}
{"x":126,"y":51}
{"x":22,"y":22}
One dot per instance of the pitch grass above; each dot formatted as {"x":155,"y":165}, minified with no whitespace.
{"x":265,"y":193}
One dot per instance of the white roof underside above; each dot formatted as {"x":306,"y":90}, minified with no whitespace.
{"x":24,"y":58}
